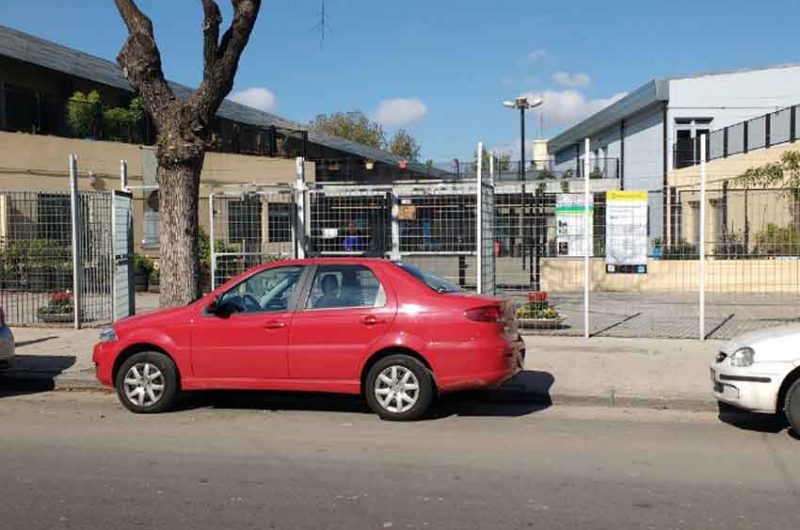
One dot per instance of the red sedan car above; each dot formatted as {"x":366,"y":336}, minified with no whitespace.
{"x":390,"y":331}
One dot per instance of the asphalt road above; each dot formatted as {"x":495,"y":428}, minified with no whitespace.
{"x":78,"y":460}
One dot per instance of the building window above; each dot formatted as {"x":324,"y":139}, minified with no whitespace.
{"x":244,"y":220}
{"x":279,"y":222}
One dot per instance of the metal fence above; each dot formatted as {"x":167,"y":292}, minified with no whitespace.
{"x":768,"y":130}
{"x":40,"y":235}
{"x":632,"y":263}
{"x":249,"y":227}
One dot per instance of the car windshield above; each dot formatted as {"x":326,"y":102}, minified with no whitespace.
{"x":440,"y":285}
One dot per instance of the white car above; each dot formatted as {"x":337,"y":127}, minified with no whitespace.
{"x":760,"y":372}
{"x":6,"y":344}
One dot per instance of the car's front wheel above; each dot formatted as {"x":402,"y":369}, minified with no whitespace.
{"x":147,"y":383}
{"x":399,"y":388}
{"x":792,"y":406}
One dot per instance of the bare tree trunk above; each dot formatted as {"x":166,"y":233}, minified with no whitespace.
{"x":179,"y":265}
{"x":183,"y":129}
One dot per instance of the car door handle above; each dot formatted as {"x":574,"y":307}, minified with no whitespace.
{"x":371,"y":320}
{"x":275,"y":324}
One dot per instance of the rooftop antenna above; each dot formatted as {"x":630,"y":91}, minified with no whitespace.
{"x":322,"y":26}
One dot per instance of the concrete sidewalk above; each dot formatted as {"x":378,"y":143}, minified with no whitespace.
{"x":559,"y":370}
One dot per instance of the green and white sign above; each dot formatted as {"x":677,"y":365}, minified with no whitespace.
{"x":571,"y":230}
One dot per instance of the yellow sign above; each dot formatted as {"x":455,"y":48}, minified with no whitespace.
{"x":633,"y":196}
{"x":407,"y":212}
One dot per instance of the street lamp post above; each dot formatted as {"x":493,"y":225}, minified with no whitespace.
{"x":523,"y":103}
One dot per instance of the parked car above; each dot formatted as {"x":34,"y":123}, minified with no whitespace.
{"x":6,"y":344}
{"x":390,"y":331}
{"x":760,"y":372}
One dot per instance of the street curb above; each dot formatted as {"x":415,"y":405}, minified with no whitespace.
{"x":52,"y":381}
{"x":76,"y":382}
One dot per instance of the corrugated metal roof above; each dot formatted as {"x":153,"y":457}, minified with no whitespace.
{"x":30,"y":49}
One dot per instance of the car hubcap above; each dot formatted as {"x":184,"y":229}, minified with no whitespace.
{"x":397,"y":389}
{"x":144,"y":384}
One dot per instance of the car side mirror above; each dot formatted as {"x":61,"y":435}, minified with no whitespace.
{"x":214,"y":307}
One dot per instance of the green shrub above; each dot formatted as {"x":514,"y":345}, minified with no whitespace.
{"x":778,"y":241}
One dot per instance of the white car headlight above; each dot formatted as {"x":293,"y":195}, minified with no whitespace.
{"x":108,"y":335}
{"x":743,"y":357}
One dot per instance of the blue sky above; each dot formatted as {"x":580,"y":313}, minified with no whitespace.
{"x":441,"y":67}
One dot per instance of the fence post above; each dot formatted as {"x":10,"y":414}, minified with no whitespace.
{"x":123,"y":175}
{"x":75,"y":217}
{"x":212,"y":251}
{"x":479,"y":220}
{"x":394,"y":206}
{"x":587,"y":241}
{"x":701,"y":243}
{"x":299,"y":232}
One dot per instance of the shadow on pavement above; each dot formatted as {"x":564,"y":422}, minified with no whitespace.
{"x":527,"y":393}
{"x":23,"y":343}
{"x":33,"y":374}
{"x":766,"y":423}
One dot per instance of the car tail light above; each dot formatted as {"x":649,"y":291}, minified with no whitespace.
{"x":489,"y":313}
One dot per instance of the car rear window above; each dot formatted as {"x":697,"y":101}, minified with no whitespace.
{"x":440,"y":285}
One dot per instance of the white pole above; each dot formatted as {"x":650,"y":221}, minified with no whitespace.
{"x":123,"y":175}
{"x":212,"y":252}
{"x":299,"y":201}
{"x":587,"y":241}
{"x":394,"y":202}
{"x":77,"y":270}
{"x":479,"y":219}
{"x":702,"y":243}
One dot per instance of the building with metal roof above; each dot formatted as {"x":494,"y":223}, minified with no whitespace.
{"x":653,"y":129}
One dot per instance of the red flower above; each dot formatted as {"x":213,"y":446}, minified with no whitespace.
{"x":61,"y":297}
{"x":537,"y":296}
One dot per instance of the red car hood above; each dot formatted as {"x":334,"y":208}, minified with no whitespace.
{"x":152,"y":318}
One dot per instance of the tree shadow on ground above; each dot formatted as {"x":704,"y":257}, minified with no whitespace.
{"x":527,"y":393}
{"x":33,"y":374}
{"x":748,"y":421}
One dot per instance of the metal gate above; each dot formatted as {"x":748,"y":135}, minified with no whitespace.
{"x":122,"y":299}
{"x":249,"y":227}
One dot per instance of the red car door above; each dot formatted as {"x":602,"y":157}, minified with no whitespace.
{"x":345,"y":314}
{"x":248,"y":337}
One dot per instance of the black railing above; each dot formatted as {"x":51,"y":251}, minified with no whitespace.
{"x":765,"y":131}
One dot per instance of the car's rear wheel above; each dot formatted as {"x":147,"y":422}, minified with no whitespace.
{"x":147,"y":383}
{"x":399,"y":388}
{"x":792,"y":406}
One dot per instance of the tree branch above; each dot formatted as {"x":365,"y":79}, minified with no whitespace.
{"x":211,"y":23}
{"x":218,"y":81}
{"x":140,"y":60}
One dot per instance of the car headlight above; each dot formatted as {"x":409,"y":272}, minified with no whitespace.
{"x":743,"y":357}
{"x":108,"y":335}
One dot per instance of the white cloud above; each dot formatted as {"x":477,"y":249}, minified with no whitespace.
{"x":400,"y":111}
{"x":569,"y":80}
{"x":507,"y":81}
{"x":567,"y":107}
{"x":258,"y":97}
{"x":538,"y":55}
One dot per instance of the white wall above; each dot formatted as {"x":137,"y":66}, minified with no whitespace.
{"x":731,"y":98}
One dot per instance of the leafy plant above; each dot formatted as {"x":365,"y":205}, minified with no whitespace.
{"x":60,"y":303}
{"x":83,"y":112}
{"x":680,"y":251}
{"x":143,"y":263}
{"x":538,"y":306}
{"x":778,"y":241}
